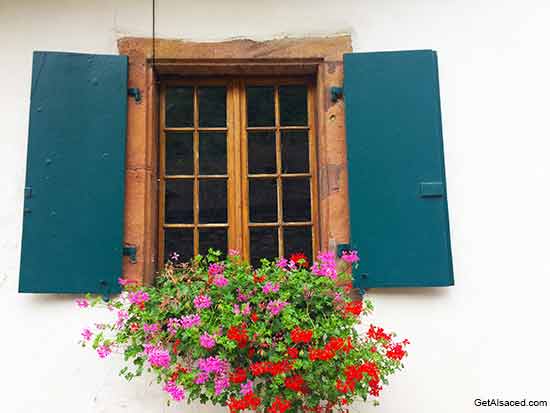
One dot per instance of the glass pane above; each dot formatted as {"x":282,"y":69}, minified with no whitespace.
{"x":212,"y":201}
{"x":179,"y":153}
{"x":298,"y":239}
{"x":293,"y":105}
{"x":179,"y":107}
{"x":179,"y":241}
{"x":263,"y":200}
{"x":215,"y":238}
{"x":296,"y":204}
{"x":212,"y":106}
{"x":179,"y":201}
{"x":295,"y":151}
{"x":212,"y":153}
{"x":261,"y":153}
{"x":263,"y":244}
{"x":260,"y":102}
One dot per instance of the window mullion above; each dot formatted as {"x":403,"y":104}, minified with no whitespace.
{"x":279,"y":171}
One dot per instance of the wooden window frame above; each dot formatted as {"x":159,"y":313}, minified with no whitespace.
{"x":319,"y":57}
{"x":237,"y":175}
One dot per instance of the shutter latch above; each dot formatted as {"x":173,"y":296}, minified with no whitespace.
{"x":130,"y":251}
{"x":135,"y":93}
{"x":336,"y":93}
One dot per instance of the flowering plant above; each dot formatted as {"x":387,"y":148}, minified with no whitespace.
{"x":277,"y":338}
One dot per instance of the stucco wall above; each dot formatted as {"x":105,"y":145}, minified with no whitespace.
{"x":485,"y":337}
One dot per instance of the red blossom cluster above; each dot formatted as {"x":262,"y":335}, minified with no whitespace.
{"x":320,"y":354}
{"x":248,"y":402}
{"x":377,"y":333}
{"x":329,"y":351}
{"x":395,"y":351}
{"x":238,"y":334}
{"x":279,"y":406}
{"x":300,"y":259}
{"x":292,"y":352}
{"x":177,"y":371}
{"x":238,"y":376}
{"x":355,"y":308}
{"x":257,"y":279}
{"x":301,"y":336}
{"x":266,"y":367}
{"x":295,"y":383}
{"x":354,"y":374}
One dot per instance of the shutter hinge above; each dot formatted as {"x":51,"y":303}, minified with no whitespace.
{"x":130,"y":251}
{"x":336,"y":93}
{"x":135,"y":93}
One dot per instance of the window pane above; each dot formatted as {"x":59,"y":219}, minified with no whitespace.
{"x":212,"y":201}
{"x":296,"y":203}
{"x":263,"y":244}
{"x":261,"y":153}
{"x":212,"y":106}
{"x":295,"y":151}
{"x":212,"y":153}
{"x":179,"y":107}
{"x":179,"y":241}
{"x":263,"y":200}
{"x":179,"y":201}
{"x":179,"y":153}
{"x":293,"y":105}
{"x":298,"y":239}
{"x":260,"y":101}
{"x":215,"y":238}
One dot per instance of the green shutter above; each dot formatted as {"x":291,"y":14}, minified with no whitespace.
{"x":398,"y":203}
{"x":74,"y":191}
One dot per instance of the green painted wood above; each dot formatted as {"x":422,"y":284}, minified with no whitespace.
{"x":398,"y":203}
{"x":74,"y":197}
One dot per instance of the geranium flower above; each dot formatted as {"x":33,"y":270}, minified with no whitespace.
{"x":300,"y":259}
{"x":86,"y":334}
{"x":202,"y":301}
{"x":350,"y":256}
{"x":82,"y":302}
{"x":207,"y":341}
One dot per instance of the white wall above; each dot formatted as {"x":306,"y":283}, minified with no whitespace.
{"x":485,"y":337}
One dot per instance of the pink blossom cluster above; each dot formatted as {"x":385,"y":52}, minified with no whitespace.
{"x":220,"y":281}
{"x":103,"y":351}
{"x":220,"y":370}
{"x":270,"y":287}
{"x":276,"y":306}
{"x":138,"y":297}
{"x":86,"y":334}
{"x":122,"y":315}
{"x":189,"y":321}
{"x":350,"y":256}
{"x":157,"y":356}
{"x":242,"y":297}
{"x":247,"y":387}
{"x":202,"y":301}
{"x":151,"y":328}
{"x":82,"y":302}
{"x":245,"y":309}
{"x":123,"y":281}
{"x":325,"y":265}
{"x":215,"y":269}
{"x":207,"y":341}
{"x":174,"y":391}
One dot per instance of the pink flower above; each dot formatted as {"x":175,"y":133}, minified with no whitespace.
{"x":233,"y":253}
{"x":247,"y":388}
{"x":123,"y":281}
{"x":215,"y":269}
{"x":270,"y":288}
{"x":87,"y":334}
{"x":246,"y":309}
{"x":207,"y":341}
{"x":174,"y":256}
{"x":138,"y":297}
{"x":173,"y":325}
{"x":202,"y":301}
{"x":157,"y":356}
{"x":220,"y":281}
{"x":236,"y":309}
{"x":82,"y":302}
{"x":325,"y":265}
{"x":220,"y":384}
{"x":213,"y":365}
{"x":174,"y":391}
{"x":122,"y":315}
{"x":151,"y":328}
{"x":350,"y":256}
{"x":191,"y":320}
{"x":103,"y":351}
{"x":282,"y":262}
{"x":275,"y":307}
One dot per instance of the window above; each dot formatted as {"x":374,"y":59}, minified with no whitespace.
{"x":238,"y":168}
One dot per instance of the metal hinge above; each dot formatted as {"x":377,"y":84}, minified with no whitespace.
{"x":135,"y":93}
{"x":130,"y":251}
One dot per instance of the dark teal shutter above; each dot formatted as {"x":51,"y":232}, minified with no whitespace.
{"x":74,"y":190}
{"x":399,"y":218}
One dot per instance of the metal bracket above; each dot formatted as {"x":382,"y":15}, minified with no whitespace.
{"x":135,"y":93}
{"x":336,"y":93}
{"x":131,"y":252}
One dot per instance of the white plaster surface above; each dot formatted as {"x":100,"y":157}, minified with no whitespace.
{"x":486,"y":337}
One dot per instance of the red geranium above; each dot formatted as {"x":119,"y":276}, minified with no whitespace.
{"x":279,"y":406}
{"x":300,"y":259}
{"x":293,"y":352}
{"x":238,"y":334}
{"x":238,"y":376}
{"x":301,"y":336}
{"x":295,"y":383}
{"x":355,"y":307}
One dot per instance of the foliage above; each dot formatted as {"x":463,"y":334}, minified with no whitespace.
{"x":278,"y":338}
